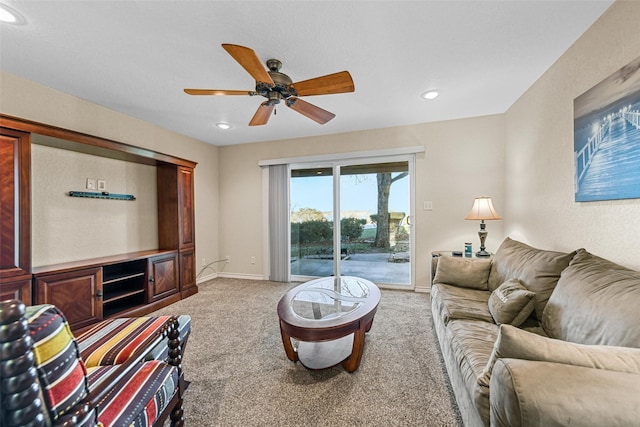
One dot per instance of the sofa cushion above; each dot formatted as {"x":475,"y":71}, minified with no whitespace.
{"x":530,"y":393}
{"x":538,"y":270}
{"x":515,"y":343}
{"x":144,"y":392}
{"x":464,"y":272}
{"x":511,"y":303}
{"x":113,"y":341}
{"x":472,"y":343}
{"x":596,"y":302}
{"x":61,"y":372}
{"x":451,"y":302}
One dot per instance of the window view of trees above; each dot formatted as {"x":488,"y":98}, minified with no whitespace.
{"x":369,"y":224}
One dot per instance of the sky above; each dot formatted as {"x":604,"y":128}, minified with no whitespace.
{"x":357,"y":193}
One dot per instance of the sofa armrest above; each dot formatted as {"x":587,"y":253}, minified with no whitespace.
{"x":519,"y":344}
{"x":533,"y":393}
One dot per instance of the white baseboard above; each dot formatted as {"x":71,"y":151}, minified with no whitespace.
{"x":242,"y":276}
{"x":206,"y":278}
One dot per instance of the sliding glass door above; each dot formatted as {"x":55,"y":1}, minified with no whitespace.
{"x":352,"y":219}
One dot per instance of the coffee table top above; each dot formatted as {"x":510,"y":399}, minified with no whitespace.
{"x":328,"y":301}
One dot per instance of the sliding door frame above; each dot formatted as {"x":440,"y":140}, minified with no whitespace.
{"x":336,"y":166}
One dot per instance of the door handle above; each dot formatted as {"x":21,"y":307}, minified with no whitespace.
{"x":99,"y":294}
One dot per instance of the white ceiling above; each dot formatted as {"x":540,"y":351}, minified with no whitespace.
{"x":136,"y":57}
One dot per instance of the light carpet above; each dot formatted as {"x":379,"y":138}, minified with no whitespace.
{"x":240,"y":376}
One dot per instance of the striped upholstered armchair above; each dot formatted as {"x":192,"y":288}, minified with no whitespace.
{"x":122,"y":372}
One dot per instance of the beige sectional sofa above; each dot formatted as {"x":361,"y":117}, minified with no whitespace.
{"x":533,"y":337}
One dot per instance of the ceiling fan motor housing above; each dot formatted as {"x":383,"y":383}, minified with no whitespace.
{"x":283,"y":85}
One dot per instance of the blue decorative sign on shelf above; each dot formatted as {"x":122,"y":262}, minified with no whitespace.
{"x":101,"y":195}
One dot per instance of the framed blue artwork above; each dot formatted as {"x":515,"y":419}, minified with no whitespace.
{"x":606,"y":140}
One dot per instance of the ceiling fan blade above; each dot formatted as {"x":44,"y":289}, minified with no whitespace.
{"x":332,"y":83}
{"x":218,"y":92}
{"x":261,"y":117}
{"x":316,"y":114}
{"x":249,"y":61}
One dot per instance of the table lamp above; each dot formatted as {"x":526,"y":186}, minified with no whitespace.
{"x":483,"y":210}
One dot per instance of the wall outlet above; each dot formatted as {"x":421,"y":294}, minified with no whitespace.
{"x":204,"y":262}
{"x":428,"y":205}
{"x":91,"y":184}
{"x":102,"y":185}
{"x":253,"y":260}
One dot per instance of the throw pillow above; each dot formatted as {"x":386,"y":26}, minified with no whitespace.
{"x":537,"y":269}
{"x":517,"y":343}
{"x":511,"y":303}
{"x":464,"y":272}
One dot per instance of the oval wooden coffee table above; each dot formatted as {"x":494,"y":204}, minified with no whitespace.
{"x":328,"y":318}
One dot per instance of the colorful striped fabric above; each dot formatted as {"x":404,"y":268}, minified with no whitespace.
{"x":113,"y":341}
{"x":61,"y":372}
{"x":145,"y":392}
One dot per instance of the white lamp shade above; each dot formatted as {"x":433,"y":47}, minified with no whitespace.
{"x":482,"y":209}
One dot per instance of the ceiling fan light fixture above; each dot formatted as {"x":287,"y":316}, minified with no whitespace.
{"x":223,"y":125}
{"x":430,"y":94}
{"x":10,"y":16}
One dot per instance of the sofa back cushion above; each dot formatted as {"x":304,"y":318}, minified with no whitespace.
{"x":463,"y":272}
{"x":61,"y":372}
{"x":596,"y":302}
{"x":538,"y":270}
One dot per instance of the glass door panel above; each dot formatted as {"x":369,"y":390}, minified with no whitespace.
{"x":372,"y":202}
{"x":311,"y":216}
{"x":374,"y":222}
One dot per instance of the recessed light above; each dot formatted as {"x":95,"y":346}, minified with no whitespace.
{"x":430,"y":94}
{"x":223,"y":126}
{"x":10,"y":16}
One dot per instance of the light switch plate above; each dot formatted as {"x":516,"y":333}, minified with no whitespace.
{"x":428,"y":205}
{"x":91,"y":184}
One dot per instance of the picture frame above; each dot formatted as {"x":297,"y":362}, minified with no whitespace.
{"x":607,"y":138}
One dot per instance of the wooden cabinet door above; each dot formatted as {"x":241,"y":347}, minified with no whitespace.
{"x":78,"y":294}
{"x":163,"y":276}
{"x":19,"y":288}
{"x":15,"y":208}
{"x":186,"y":209}
{"x":188,"y":273}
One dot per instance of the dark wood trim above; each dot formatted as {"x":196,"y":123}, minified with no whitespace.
{"x":135,"y":154}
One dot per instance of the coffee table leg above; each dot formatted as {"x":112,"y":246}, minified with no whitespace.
{"x":368,"y":328}
{"x":353,"y":362}
{"x":288,"y":347}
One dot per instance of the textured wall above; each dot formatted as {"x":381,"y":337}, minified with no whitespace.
{"x":69,"y":228}
{"x":539,"y":187}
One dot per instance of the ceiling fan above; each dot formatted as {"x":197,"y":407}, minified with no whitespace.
{"x":277,"y":86}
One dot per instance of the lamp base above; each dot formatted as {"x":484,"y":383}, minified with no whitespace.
{"x":483,"y":253}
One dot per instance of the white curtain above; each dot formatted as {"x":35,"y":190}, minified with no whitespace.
{"x":279,"y":228}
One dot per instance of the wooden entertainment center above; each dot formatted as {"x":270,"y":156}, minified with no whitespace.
{"x":91,"y":290}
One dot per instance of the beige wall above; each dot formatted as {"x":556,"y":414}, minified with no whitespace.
{"x":23,"y":98}
{"x":463,"y":159}
{"x":539,"y":188}
{"x":67,"y":228}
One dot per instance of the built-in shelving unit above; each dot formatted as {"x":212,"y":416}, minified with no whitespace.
{"x":123,"y":286}
{"x":90,"y":290}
